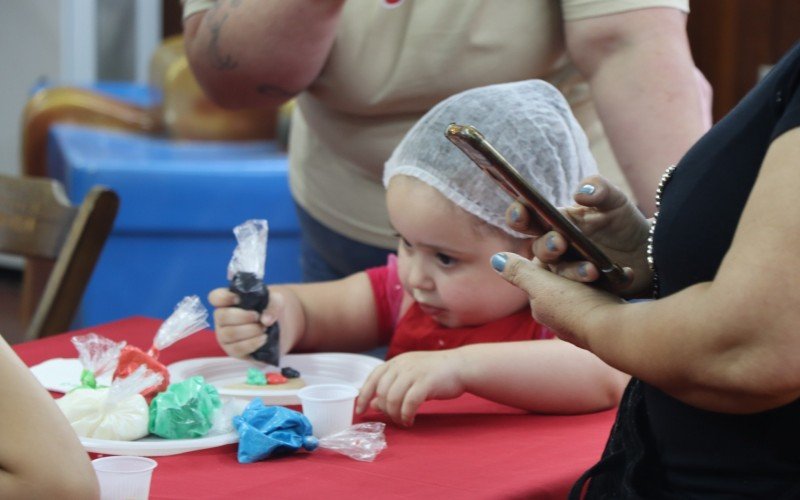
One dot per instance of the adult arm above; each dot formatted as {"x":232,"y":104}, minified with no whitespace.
{"x":260,"y":52}
{"x":40,"y":456}
{"x":728,"y":345}
{"x":645,"y":88}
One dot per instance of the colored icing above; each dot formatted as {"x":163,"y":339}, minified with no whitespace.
{"x":185,"y":410}
{"x":131,"y":358}
{"x":90,"y":416}
{"x":256,"y":377}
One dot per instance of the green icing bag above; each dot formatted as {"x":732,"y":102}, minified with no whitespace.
{"x":185,"y":410}
{"x":88,"y":380}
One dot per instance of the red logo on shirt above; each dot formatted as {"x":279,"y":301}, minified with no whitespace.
{"x":391,"y":4}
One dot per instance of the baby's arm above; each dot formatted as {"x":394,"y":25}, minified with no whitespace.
{"x":328,"y":316}
{"x":543,"y":376}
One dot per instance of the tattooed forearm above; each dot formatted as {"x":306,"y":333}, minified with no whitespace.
{"x":220,"y":61}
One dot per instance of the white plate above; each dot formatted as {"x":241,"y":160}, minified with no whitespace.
{"x":317,"y":368}
{"x":63,"y":374}
{"x":154,"y":446}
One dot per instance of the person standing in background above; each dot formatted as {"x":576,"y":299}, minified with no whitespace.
{"x":364,"y":71}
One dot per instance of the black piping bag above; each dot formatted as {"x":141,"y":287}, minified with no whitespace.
{"x":246,"y":279}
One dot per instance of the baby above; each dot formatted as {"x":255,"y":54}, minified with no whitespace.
{"x":452,"y":325}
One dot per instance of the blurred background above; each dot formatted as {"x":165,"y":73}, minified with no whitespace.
{"x":82,"y":42}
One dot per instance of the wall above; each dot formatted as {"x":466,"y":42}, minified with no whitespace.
{"x":734,"y":41}
{"x":67,"y":41}
{"x":29,"y":40}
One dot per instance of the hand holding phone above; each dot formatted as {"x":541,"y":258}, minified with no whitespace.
{"x":484,"y":155}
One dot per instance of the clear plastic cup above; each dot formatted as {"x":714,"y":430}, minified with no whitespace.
{"x":123,"y":477}
{"x":329,"y":407}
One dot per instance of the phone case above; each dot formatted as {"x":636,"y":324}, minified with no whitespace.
{"x":469,"y":140}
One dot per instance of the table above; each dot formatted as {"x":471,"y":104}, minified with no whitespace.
{"x":462,"y":448}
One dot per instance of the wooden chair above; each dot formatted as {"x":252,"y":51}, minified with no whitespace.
{"x":63,"y":242}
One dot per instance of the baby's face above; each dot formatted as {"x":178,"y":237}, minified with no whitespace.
{"x":443,"y":261}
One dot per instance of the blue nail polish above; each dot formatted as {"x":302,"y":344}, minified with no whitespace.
{"x":586,"y":189}
{"x":550,"y":243}
{"x":499,"y":262}
{"x":583,"y":270}
{"x":515,"y":213}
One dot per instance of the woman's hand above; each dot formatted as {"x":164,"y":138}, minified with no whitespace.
{"x":241,"y":332}
{"x":568,"y":308}
{"x":399,"y":386}
{"x":609,"y":219}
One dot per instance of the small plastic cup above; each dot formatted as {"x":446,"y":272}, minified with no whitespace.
{"x":329,"y":407}
{"x":123,"y":477}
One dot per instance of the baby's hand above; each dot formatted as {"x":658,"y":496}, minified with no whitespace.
{"x":399,"y":386}
{"x":240,"y":332}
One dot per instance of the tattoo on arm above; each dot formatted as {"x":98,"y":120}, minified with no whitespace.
{"x":219,"y":61}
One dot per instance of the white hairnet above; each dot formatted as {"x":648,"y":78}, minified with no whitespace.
{"x":528,"y":122}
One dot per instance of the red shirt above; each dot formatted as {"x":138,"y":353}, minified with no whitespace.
{"x":417,"y":331}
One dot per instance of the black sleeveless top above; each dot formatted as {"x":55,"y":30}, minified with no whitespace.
{"x":660,"y":447}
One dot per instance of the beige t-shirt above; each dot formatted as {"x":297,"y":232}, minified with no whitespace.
{"x":387,"y":67}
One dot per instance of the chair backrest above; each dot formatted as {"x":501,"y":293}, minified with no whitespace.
{"x":37,"y":221}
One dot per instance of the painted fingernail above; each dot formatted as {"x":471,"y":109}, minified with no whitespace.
{"x":583,"y":270}
{"x":550,"y":243}
{"x":515,"y":213}
{"x":587,"y":189}
{"x":499,"y":262}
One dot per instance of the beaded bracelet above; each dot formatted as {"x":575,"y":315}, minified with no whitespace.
{"x":650,"y":260}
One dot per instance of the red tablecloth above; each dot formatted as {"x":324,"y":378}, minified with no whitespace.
{"x":462,"y":448}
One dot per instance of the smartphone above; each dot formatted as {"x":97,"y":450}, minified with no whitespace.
{"x":485,"y":156}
